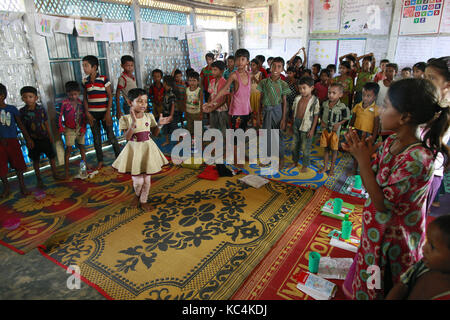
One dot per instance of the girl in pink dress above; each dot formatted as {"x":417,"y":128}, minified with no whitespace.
{"x":397,"y":180}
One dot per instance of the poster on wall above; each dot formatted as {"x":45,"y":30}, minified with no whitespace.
{"x":366,"y":16}
{"x":256,"y":26}
{"x":128,"y":33}
{"x":7,"y":17}
{"x":325,"y":16}
{"x":291,"y":17}
{"x":197,"y":47}
{"x":44,"y":25}
{"x":322,"y":51}
{"x":420,"y":17}
{"x":85,"y":28}
{"x":63,"y":25}
{"x":445,"y":22}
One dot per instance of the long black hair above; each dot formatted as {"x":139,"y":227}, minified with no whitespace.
{"x":420,"y":99}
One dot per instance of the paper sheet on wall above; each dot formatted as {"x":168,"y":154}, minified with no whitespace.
{"x":413,"y":49}
{"x":420,"y":18}
{"x":157,"y":30}
{"x":44,"y":25}
{"x":128,"y":33}
{"x":63,"y":25}
{"x":441,"y":47}
{"x":291,"y":18}
{"x":379,"y":48}
{"x":85,"y":28}
{"x":366,"y":16}
{"x":322,"y":51}
{"x":345,"y":46}
{"x":256,"y":27}
{"x":182,"y":33}
{"x":292,"y":46}
{"x":197,"y":48}
{"x":325,"y":19}
{"x":110,"y":32}
{"x":146,"y":30}
{"x":173,"y":31}
{"x":445,"y":22}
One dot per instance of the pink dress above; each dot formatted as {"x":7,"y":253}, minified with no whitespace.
{"x":240,"y":101}
{"x":394,"y":239}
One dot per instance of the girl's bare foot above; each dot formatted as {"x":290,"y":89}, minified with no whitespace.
{"x":304,"y":169}
{"x":322,"y":170}
{"x":135,"y":202}
{"x":331,"y":173}
{"x":292,"y":165}
{"x":281,"y":165}
{"x":147,"y":206}
{"x":100,"y":166}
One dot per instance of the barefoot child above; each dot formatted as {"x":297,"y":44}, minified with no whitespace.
{"x":74,"y":124}
{"x":126,"y":82}
{"x":397,"y":181}
{"x":347,"y":82}
{"x":306,"y":109}
{"x":255,"y":95}
{"x":156,"y":92}
{"x":335,"y":114}
{"x":10,"y":151}
{"x":239,"y":109}
{"x":97,"y":104}
{"x":169,"y":108}
{"x":428,"y":279}
{"x":34,"y":118}
{"x":274,"y":106}
{"x":366,"y":114}
{"x":141,"y":156}
{"x":194,"y":102}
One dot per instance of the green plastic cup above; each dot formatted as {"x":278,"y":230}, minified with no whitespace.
{"x":346,"y":230}
{"x":337,"y":205}
{"x":358,"y":182}
{"x":313,"y":261}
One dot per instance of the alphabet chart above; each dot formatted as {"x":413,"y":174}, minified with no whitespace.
{"x":420,"y":16}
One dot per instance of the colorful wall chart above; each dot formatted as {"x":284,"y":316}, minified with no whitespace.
{"x":44,"y":25}
{"x":420,"y":16}
{"x":197,"y":48}
{"x":322,"y":51}
{"x":291,"y":17}
{"x":256,"y":26}
{"x":85,"y":28}
{"x":366,"y":16}
{"x":325,"y":16}
{"x":445,"y":22}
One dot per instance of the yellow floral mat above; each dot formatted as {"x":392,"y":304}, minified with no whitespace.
{"x":200,"y":242}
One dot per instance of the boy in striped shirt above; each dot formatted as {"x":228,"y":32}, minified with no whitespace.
{"x":97,"y":103}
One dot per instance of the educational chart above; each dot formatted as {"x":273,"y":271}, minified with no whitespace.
{"x":366,"y":16}
{"x":291,"y":18}
{"x":420,"y":16}
{"x":256,"y":26}
{"x":128,"y":33}
{"x":197,"y":50}
{"x":325,"y":16}
{"x":322,"y":51}
{"x":346,"y":46}
{"x":445,"y":22}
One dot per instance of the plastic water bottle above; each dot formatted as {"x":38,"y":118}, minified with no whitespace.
{"x":83,"y":170}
